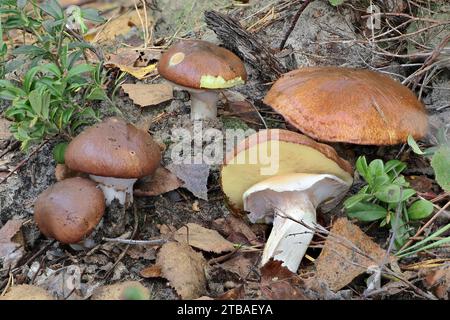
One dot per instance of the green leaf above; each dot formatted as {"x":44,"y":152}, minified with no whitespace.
{"x":353,"y":200}
{"x":389,"y":194}
{"x":441,"y":166}
{"x":29,"y":50}
{"x":367,"y":212}
{"x":362,"y":167}
{"x":394,"y":165}
{"x":420,"y":209}
{"x":35,"y":101}
{"x":96,"y":94}
{"x":59,"y":151}
{"x":414,"y":146}
{"x":376,"y":168}
{"x":79,"y":69}
{"x":92,"y":15}
{"x":29,"y":77}
{"x":336,"y":2}
{"x":407,"y":193}
{"x":53,"y":8}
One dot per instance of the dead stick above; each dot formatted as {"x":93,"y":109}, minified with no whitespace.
{"x":22,"y":163}
{"x":294,"y":22}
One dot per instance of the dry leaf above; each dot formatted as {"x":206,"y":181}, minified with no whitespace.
{"x":26,"y":292}
{"x":438,"y":281}
{"x":11,"y":251}
{"x":165,"y":229}
{"x":184,"y":268}
{"x":148,"y":94}
{"x":118,"y":26}
{"x":278,"y":283}
{"x":160,"y":182}
{"x":153,"y":271}
{"x":232,"y":226}
{"x":123,"y":57}
{"x":142,"y":252}
{"x":242,"y":263}
{"x":194,"y":176}
{"x":4,"y":129}
{"x":203,"y":238}
{"x":233,"y":294}
{"x":337,"y":264}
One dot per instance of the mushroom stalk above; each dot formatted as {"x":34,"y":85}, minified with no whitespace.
{"x":290,"y":239}
{"x":115,"y":188}
{"x":203,"y":104}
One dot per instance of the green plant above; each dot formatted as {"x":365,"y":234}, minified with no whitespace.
{"x":52,"y":98}
{"x":440,"y":158}
{"x":386,"y":193}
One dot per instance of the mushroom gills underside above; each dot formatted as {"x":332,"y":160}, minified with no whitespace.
{"x":115,"y":188}
{"x":290,"y":201}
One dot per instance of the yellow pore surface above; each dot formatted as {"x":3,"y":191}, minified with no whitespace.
{"x":273,"y":158}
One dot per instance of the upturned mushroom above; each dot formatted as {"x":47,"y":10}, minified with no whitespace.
{"x":348,"y":105}
{"x":309,"y":175}
{"x":202,"y":69}
{"x":114,"y":154}
{"x":69,"y":210}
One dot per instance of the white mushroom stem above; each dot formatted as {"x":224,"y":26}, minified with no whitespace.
{"x":294,"y":196}
{"x":115,"y":188}
{"x":203,"y":104}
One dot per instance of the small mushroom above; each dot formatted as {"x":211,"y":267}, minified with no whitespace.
{"x":202,"y":68}
{"x":114,"y":154}
{"x":348,"y":105}
{"x":69,"y":210}
{"x":309,"y":175}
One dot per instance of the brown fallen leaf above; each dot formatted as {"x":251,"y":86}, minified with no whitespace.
{"x":11,"y":248}
{"x":63,"y":172}
{"x":231,"y":225}
{"x":142,"y":252}
{"x":242,"y":264}
{"x":118,"y":26}
{"x":438,"y":281}
{"x":148,"y":94}
{"x":337,"y":264}
{"x":4,"y":129}
{"x":237,"y":293}
{"x":123,"y":57}
{"x":278,"y":283}
{"x":203,"y":238}
{"x":165,"y":229}
{"x":160,"y":182}
{"x":194,"y":176}
{"x":27,"y":292}
{"x":184,"y":268}
{"x":153,"y":271}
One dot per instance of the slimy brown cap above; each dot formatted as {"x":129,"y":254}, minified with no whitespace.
{"x":201,"y":65}
{"x":348,"y":105}
{"x":113,"y":148}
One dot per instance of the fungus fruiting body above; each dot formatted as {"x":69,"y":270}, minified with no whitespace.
{"x":69,"y":210}
{"x":357,"y":106}
{"x":203,"y":69}
{"x":309,"y":175}
{"x":114,"y":154}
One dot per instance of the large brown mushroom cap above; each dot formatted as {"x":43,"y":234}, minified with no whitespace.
{"x":297,"y":154}
{"x":348,"y":105}
{"x":199,"y":64}
{"x":69,"y":210}
{"x":113,"y":148}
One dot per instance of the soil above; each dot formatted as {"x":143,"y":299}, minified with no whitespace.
{"x":318,"y":24}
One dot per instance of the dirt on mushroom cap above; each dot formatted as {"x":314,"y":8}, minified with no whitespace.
{"x":348,"y":105}
{"x":200,"y":64}
{"x":114,"y":148}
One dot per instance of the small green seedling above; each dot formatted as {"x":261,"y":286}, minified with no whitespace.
{"x":386,"y":193}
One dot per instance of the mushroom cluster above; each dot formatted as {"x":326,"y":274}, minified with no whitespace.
{"x":115,"y":154}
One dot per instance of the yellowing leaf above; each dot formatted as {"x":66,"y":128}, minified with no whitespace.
{"x":148,"y":94}
{"x":203,"y":238}
{"x":139,"y":73}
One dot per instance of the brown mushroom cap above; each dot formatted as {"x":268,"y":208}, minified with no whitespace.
{"x":199,"y":64}
{"x":69,"y":210}
{"x":348,"y":105}
{"x":297,"y":154}
{"x":113,"y":148}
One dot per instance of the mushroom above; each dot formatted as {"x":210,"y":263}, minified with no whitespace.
{"x":309,"y":175}
{"x":201,"y":68}
{"x":69,"y":210}
{"x":348,"y":105}
{"x":114,"y":154}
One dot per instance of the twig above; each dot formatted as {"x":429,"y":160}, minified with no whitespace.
{"x":155,"y":242}
{"x":294,"y":22}
{"x":23,"y":162}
